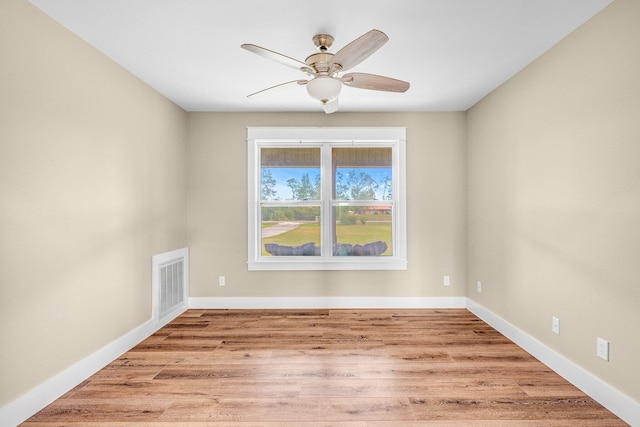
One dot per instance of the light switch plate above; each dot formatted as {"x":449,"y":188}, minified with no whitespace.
{"x":602,"y":350}
{"x":555,"y":325}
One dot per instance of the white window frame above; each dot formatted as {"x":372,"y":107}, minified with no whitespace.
{"x":394,"y":137}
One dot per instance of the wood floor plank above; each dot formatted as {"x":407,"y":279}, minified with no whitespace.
{"x":216,"y":424}
{"x":98,"y":410}
{"x":249,"y":409}
{"x":321,"y":368}
{"x":570,"y":409}
{"x":402,"y":387}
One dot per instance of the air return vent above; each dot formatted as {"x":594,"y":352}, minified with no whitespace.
{"x":170,"y":283}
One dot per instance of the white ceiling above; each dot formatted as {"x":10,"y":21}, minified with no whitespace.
{"x":453,"y":52}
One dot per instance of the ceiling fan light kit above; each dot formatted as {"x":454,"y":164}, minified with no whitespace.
{"x":324,"y":68}
{"x":324,"y":88}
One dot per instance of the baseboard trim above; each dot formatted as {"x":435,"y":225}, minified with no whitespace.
{"x":325,"y":302}
{"x":609,"y":397}
{"x":38,"y":398}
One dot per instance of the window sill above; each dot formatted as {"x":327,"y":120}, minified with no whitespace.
{"x":304,"y":263}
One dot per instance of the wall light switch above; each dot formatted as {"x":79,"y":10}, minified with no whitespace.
{"x":221,"y":281}
{"x":446,"y":281}
{"x":602,"y":351}
{"x":479,"y":286}
{"x":555,"y":325}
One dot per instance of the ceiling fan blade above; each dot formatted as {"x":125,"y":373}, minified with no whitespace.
{"x":374,"y":82}
{"x":275,"y":56}
{"x":359,"y":49}
{"x":300,"y":82}
{"x":330,"y":106}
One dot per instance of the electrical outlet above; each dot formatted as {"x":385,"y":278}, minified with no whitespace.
{"x":602,"y":349}
{"x":555,"y":325}
{"x":446,"y":281}
{"x":479,"y":287}
{"x":221,"y":281}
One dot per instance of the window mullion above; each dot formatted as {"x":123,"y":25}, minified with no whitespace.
{"x":327,"y":194}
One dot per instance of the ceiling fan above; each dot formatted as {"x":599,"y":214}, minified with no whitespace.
{"x":325,"y":68}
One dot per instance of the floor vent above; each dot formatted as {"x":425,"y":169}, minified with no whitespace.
{"x":170,"y":283}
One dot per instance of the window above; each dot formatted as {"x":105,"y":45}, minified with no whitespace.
{"x":326,"y":199}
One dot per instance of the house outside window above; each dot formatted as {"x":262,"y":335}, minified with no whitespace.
{"x":326,"y":198}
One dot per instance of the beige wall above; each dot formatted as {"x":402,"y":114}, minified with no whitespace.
{"x":554,"y":196}
{"x":217,"y":212}
{"x":92,"y":178}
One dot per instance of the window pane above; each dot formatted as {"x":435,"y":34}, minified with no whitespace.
{"x":363,"y":173}
{"x":363,"y":231}
{"x":291,"y":231}
{"x":290,"y":173}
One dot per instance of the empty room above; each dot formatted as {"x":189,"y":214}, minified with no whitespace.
{"x":356,"y":213}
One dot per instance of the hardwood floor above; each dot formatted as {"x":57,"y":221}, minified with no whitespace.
{"x":347,"y":368}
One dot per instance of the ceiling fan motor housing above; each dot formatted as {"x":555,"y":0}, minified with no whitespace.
{"x":319,"y":62}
